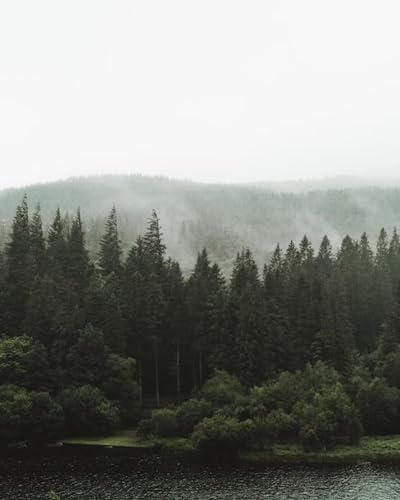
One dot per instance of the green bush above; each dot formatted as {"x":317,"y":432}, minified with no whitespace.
{"x":162,"y":424}
{"x":222,"y":389}
{"x":87,"y":411}
{"x":190,"y":413}
{"x":276,"y":425}
{"x":378,"y":405}
{"x":145,"y":428}
{"x":220,"y":436}
{"x":28,"y":416}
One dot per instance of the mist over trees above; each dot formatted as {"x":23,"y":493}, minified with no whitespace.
{"x":85,"y":342}
{"x":221,"y":218}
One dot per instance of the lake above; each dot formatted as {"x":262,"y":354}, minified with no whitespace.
{"x":126,"y":477}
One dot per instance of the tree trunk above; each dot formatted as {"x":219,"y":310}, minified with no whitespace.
{"x":140,"y":382}
{"x":156,"y":375}
{"x":178,"y":371}
{"x":201,"y":368}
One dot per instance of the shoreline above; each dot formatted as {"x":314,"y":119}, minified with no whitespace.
{"x":373,"y":449}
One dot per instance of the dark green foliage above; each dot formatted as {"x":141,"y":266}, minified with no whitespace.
{"x":378,"y":405}
{"x":88,"y":412}
{"x":163,"y":423}
{"x":110,"y":247}
{"x":190,"y":413}
{"x":283,"y":350}
{"x":222,"y":436}
{"x":24,"y":415}
{"x":120,"y":386}
{"x":222,"y":389}
{"x":87,"y":357}
{"x":23,"y":362}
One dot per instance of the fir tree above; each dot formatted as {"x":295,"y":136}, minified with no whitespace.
{"x":110,"y":247}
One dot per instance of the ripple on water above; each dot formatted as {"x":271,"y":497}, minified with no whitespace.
{"x":126,"y":478}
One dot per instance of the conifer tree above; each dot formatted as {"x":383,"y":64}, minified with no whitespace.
{"x":245,"y":320}
{"x":38,"y":244}
{"x":57,"y":249}
{"x":18,"y":270}
{"x":110,"y":247}
{"x":79,"y":267}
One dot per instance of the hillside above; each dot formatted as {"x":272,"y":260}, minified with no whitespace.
{"x":223,"y":218}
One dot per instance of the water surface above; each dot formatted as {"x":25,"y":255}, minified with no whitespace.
{"x":124,"y":477}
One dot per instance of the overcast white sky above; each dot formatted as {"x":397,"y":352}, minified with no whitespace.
{"x":213,"y":90}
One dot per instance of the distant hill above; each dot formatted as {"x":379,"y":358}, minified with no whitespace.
{"x":329,"y":183}
{"x":222,"y":218}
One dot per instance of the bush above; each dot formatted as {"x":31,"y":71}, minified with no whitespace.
{"x":162,"y":424}
{"x":145,"y":428}
{"x":277,"y":424}
{"x":46,"y":417}
{"x":190,"y":413}
{"x":87,"y":411}
{"x":309,"y":439}
{"x":378,"y":406}
{"x":222,"y":389}
{"x":28,"y":416}
{"x":326,"y":416}
{"x":219,"y":436}
{"x":121,"y":387}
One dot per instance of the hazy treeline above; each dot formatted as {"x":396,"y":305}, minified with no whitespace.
{"x":221,"y":218}
{"x":84,"y":341}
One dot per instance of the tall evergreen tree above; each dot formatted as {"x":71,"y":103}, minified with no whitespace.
{"x":79,"y":266}
{"x":18,"y":270}
{"x":246,"y":320}
{"x":110,"y":247}
{"x":38,"y":244}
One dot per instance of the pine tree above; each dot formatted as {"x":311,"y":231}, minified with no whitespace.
{"x":57,"y":249}
{"x":79,"y":267}
{"x":246,"y":353}
{"x":153,"y":244}
{"x":384,"y":293}
{"x":19,"y":270}
{"x":202,"y":288}
{"x":38,"y":244}
{"x":175,"y":314}
{"x":110,"y":247}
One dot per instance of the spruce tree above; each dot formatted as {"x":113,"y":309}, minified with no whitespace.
{"x":79,"y":266}
{"x":246,"y":351}
{"x":110,"y":247}
{"x":19,"y":270}
{"x":38,"y":244}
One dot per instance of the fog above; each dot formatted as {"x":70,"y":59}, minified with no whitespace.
{"x":216,"y":91}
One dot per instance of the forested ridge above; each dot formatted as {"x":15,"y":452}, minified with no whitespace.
{"x":307,"y":346}
{"x":221,"y":218}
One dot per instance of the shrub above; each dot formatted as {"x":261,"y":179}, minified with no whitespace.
{"x":145,"y":428}
{"x":379,"y":406}
{"x":217,"y":435}
{"x":164,"y":422}
{"x":87,"y":411}
{"x":190,"y":413}
{"x":277,"y":424}
{"x":222,"y":389}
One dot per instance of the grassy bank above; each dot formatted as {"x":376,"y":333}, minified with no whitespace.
{"x":129,"y":439}
{"x":370,"y":449}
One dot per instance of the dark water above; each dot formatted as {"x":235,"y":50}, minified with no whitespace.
{"x":132,"y":478}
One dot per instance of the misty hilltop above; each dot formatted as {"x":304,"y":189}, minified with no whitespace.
{"x":222,"y":218}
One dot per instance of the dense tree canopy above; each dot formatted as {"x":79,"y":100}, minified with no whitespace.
{"x":120,"y":331}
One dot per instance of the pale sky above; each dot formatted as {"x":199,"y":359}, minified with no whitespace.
{"x":212,"y":90}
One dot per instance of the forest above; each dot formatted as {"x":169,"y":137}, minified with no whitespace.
{"x":306,"y":348}
{"x":223,"y":218}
